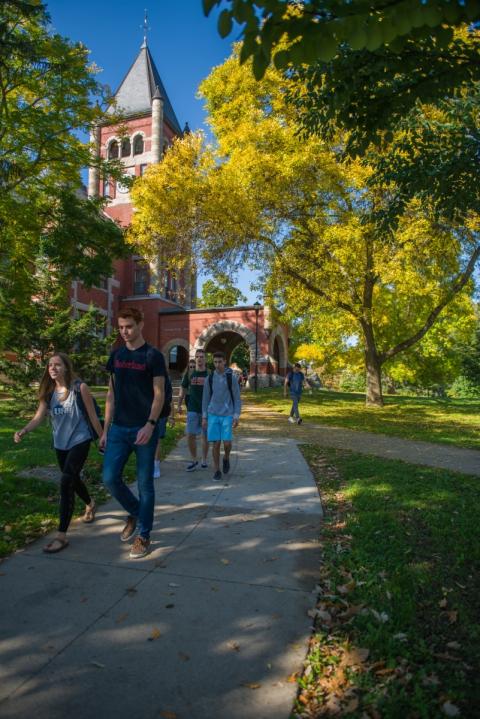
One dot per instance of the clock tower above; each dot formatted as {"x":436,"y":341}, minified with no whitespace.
{"x":148,"y":128}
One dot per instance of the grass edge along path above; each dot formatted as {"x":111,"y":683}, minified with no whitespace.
{"x":396,"y":631}
{"x":444,"y":421}
{"x":29,"y":506}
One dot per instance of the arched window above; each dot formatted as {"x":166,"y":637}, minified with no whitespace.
{"x":166,"y":145}
{"x":138,"y":145}
{"x":126,"y":147}
{"x":113,"y":150}
{"x":106,"y":188}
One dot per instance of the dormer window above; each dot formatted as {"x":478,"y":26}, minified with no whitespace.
{"x":126,"y":147}
{"x":113,"y":150}
{"x":138,"y":145}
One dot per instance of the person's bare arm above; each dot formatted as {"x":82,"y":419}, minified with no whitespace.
{"x":181,"y":398}
{"x":90,"y":407}
{"x":144,"y":434}
{"x":109,"y":410}
{"x":37,"y":419}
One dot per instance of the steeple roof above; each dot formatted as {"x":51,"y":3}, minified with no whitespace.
{"x":134,"y":96}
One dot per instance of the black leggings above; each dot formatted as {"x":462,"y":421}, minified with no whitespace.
{"x":71,"y":463}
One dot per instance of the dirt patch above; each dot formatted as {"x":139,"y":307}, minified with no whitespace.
{"x":50,"y":473}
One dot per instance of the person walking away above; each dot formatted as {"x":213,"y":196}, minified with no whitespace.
{"x":192,"y":388}
{"x":134,"y":404}
{"x":221,"y":408}
{"x":295,"y":381}
{"x":69,"y":403}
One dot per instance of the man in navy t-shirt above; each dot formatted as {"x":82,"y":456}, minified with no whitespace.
{"x":295,"y":381}
{"x":134,"y":402}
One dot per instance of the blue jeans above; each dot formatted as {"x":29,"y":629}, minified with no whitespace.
{"x":120,"y":445}
{"x":295,"y":400}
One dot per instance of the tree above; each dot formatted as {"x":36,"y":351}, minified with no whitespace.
{"x":297,"y":32}
{"x":220,"y":292}
{"x":268,"y":198}
{"x":48,"y":96}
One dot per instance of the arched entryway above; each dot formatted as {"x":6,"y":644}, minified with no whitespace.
{"x":278,"y":353}
{"x":225,"y":336}
{"x":176,"y":354}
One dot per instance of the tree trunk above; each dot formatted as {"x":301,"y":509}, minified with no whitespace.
{"x":374,"y":397}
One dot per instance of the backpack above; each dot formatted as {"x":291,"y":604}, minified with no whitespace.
{"x":229,"y":385}
{"x":83,"y":409}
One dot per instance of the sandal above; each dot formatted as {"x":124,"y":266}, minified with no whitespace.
{"x":52,"y":549}
{"x":89,"y":515}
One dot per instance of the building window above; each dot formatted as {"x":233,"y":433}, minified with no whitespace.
{"x":142,"y":169}
{"x":113,"y":150}
{"x":166,"y":145}
{"x":102,"y":283}
{"x":126,"y":147}
{"x":141,"y":279}
{"x":107,"y":188}
{"x":138,"y":145}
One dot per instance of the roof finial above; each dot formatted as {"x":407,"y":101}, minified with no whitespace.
{"x":146,"y":28}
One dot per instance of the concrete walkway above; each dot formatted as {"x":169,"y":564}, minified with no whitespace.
{"x":430,"y":454}
{"x":209,"y":626}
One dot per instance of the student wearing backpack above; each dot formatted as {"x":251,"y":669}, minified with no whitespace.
{"x":135,"y":403}
{"x":72,"y":412}
{"x":192,"y":388}
{"x":221,"y":407}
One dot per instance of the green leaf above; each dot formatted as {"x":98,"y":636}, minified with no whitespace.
{"x":260,"y":64}
{"x":225,"y":23}
{"x":281,"y":59}
{"x":208,"y":5}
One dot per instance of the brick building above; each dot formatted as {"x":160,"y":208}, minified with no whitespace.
{"x":172,"y":323}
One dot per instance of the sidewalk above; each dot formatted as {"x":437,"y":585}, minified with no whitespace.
{"x":209,"y":626}
{"x":430,"y":454}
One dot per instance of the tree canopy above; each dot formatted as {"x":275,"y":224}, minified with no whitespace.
{"x":220,"y":292}
{"x":296,"y":32}
{"x":267,"y":197}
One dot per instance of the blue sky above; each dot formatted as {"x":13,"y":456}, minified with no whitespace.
{"x":185,"y":46}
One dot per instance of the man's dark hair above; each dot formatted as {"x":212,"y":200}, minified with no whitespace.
{"x":220,"y":355}
{"x":199,"y":351}
{"x":297,"y":364}
{"x":131,"y":312}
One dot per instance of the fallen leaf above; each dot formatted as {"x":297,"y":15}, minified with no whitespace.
{"x":169,"y":606}
{"x":130,"y":591}
{"x":333,"y":704}
{"x":121,"y":618}
{"x":351,"y":611}
{"x":346,"y":588}
{"x":355,"y":656}
{"x":7,"y":528}
{"x":172,"y":584}
{"x":450,"y":710}
{"x":156,"y":634}
{"x":184,"y":657}
{"x":251,"y":685}
{"x":234,"y":645}
{"x":443,"y":603}
{"x":452,"y":616}
{"x":225,"y":561}
{"x":168,"y":715}
{"x":292,"y":678}
{"x":99,"y":665}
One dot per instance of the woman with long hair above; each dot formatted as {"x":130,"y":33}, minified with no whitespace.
{"x":71,"y":437}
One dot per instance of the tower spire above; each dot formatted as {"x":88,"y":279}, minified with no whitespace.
{"x":146,"y":28}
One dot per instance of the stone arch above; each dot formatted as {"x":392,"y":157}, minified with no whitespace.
{"x":177,"y":342}
{"x":108,"y":147}
{"x":138,"y":143}
{"x":227,"y":326}
{"x":277,"y":334}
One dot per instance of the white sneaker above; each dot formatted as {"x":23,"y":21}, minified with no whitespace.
{"x":156,"y":469}
{"x":291,"y":420}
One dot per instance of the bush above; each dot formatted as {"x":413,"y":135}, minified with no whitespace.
{"x":464,"y":387}
{"x":352,"y":381}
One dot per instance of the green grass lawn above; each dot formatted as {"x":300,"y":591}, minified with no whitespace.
{"x":28,"y":506}
{"x":451,"y":421}
{"x":397,"y":624}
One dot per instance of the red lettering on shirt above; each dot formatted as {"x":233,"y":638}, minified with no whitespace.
{"x":130,"y":364}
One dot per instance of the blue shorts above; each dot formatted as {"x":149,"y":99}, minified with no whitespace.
{"x":219,"y":428}
{"x":194,"y":423}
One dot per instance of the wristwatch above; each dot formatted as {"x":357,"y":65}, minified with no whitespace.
{"x":152,"y":421}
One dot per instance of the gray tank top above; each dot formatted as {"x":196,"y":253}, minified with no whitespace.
{"x":68,"y":423}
